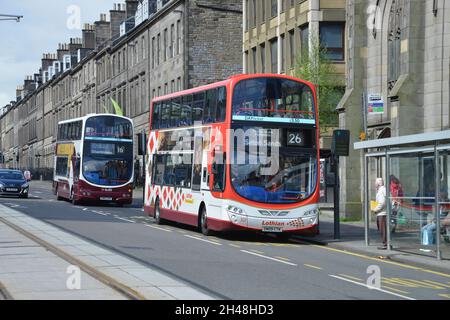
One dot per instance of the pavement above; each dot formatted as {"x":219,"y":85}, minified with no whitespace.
{"x":31,"y":270}
{"x":225,"y":266}
{"x":353,"y":239}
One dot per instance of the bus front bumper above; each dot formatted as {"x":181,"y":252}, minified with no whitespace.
{"x":304,"y":223}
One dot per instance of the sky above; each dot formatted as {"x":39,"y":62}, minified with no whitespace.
{"x":45,"y":24}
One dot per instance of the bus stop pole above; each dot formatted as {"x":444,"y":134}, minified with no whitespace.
{"x":337,"y":232}
{"x":366,"y":199}
{"x":388,"y":199}
{"x":144,"y":152}
{"x":437,"y":199}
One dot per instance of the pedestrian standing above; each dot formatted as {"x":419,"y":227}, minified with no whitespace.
{"x":396,"y":196}
{"x":380,"y":211}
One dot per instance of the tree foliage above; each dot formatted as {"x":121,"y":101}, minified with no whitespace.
{"x":314,"y":66}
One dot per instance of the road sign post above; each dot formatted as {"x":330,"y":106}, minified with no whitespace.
{"x":340,"y":147}
{"x":142,"y":146}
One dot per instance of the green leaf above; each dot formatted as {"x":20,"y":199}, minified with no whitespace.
{"x":117,"y":107}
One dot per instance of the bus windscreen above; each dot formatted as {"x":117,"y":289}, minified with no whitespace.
{"x":273,"y":100}
{"x":108,"y":127}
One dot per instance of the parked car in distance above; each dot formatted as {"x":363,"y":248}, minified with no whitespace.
{"x":13,"y":183}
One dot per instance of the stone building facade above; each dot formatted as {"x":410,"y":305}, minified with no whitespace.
{"x":277,"y":32}
{"x":180,"y":45}
{"x":398,"y":50}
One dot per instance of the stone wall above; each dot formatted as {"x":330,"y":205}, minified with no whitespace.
{"x":214,"y":41}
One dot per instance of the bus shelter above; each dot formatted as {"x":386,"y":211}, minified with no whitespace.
{"x":416,"y":172}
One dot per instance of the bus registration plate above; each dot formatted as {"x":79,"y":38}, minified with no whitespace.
{"x":272,"y":229}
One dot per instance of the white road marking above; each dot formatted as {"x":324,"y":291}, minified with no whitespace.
{"x":269,"y":258}
{"x":158,"y":228}
{"x":38,"y":192}
{"x":100,"y":213}
{"x":204,"y":240}
{"x":85,"y":209}
{"x":372,"y":288}
{"x":127,"y":220}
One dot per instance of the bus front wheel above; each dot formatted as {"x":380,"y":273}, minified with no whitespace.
{"x":72,"y":198}
{"x":58,"y":197}
{"x":204,"y":222}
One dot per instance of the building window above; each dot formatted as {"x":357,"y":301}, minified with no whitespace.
{"x":253,"y":69}
{"x":153,"y":52}
{"x":246,"y":15}
{"x":273,"y":8}
{"x":332,"y":39}
{"x":165,"y":45}
{"x":158,"y":51}
{"x":143,"y":48}
{"x":263,"y":11}
{"x":394,"y":42}
{"x":292,"y":47}
{"x":263,"y":57}
{"x":178,"y":37}
{"x":304,"y":38}
{"x":283,"y":53}
{"x":172,"y":41}
{"x":274,"y":55}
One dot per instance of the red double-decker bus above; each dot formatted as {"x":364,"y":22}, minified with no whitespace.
{"x":94,"y":159}
{"x":238,"y":154}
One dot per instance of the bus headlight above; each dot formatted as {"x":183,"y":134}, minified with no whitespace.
{"x":234,"y":209}
{"x":311,"y":213}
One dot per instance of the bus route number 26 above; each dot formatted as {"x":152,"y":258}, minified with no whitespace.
{"x":295,"y":139}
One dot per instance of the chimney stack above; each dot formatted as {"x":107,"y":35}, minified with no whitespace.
{"x":63,"y":49}
{"x":47,"y":61}
{"x":19,"y":93}
{"x":74,"y":45}
{"x":88,"y":35}
{"x":117,"y":16}
{"x":102,"y":31}
{"x":131,"y":8}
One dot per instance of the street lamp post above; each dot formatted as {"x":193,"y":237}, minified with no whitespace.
{"x":13,"y":17}
{"x":38,"y":157}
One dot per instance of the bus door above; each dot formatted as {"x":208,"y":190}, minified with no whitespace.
{"x":76,"y":171}
{"x":198,"y":160}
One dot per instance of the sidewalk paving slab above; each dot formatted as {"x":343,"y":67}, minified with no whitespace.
{"x":29,"y":271}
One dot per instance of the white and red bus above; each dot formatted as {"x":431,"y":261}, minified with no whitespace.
{"x":94,"y":159}
{"x":238,"y":154}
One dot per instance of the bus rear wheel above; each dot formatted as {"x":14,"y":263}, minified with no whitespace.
{"x":204,"y":222}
